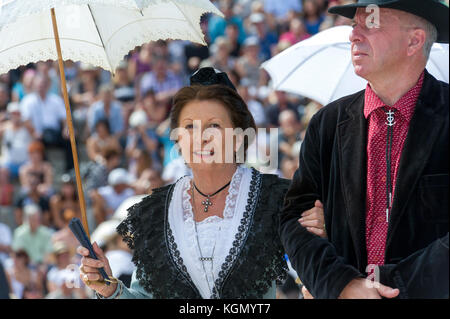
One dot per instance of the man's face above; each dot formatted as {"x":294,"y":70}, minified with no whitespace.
{"x":34,"y":222}
{"x":376,"y":51}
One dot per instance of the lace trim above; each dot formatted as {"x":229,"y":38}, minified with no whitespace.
{"x":121,"y":44}
{"x":241,"y":235}
{"x":173,"y":248}
{"x":230,"y":201}
{"x":12,"y":10}
{"x":229,"y":210}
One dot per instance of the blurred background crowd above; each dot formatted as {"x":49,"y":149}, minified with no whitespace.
{"x":122,"y":133}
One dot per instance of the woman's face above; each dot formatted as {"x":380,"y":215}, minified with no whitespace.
{"x":102,"y":131}
{"x":202,"y":138}
{"x":68,"y":190}
{"x":36,"y":156}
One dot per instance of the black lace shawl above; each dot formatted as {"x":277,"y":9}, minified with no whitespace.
{"x":253,"y":263}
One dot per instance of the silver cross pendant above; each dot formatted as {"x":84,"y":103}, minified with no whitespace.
{"x":206,"y":203}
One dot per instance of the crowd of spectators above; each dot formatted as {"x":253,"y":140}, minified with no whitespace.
{"x":123,"y":135}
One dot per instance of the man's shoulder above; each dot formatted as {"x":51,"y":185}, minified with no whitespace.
{"x":338,"y":108}
{"x":45,"y":231}
{"x":28,"y":99}
{"x":21,"y":230}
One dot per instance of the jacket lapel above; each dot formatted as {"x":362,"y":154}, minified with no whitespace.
{"x":425,"y":126}
{"x":352,"y":137}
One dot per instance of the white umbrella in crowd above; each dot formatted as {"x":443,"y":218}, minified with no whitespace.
{"x":321,"y":69}
{"x":97,"y":32}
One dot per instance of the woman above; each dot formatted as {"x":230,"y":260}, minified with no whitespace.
{"x":102,"y":138}
{"x":24,"y":281}
{"x":212,"y":235}
{"x":38,"y":167}
{"x":66,"y":199}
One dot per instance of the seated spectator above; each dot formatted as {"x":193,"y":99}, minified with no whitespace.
{"x":145,"y":176}
{"x":297,"y":32}
{"x":124,"y":90}
{"x":220,"y":58}
{"x":97,"y":174}
{"x":142,"y":138}
{"x":84,"y":88}
{"x":100,"y":140}
{"x":248,"y":65}
{"x":66,"y":284}
{"x":33,"y":196}
{"x":289,"y":164}
{"x":15,"y":139}
{"x":280,"y":9}
{"x":289,"y":134}
{"x":66,"y":198}
{"x":37,"y":167}
{"x":232,"y":35}
{"x":62,"y":279}
{"x":51,"y":129}
{"x":141,"y":61}
{"x":32,"y":236}
{"x":5,"y":242}
{"x":107,"y":109}
{"x":312,"y":16}
{"x":108,"y":198}
{"x":161,"y":80}
{"x":61,"y":258}
{"x":217,"y":24}
{"x":266,"y":38}
{"x":282,"y":103}
{"x":254,"y":106}
{"x":24,"y":280}
{"x":155,"y":109}
{"x":24,"y":86}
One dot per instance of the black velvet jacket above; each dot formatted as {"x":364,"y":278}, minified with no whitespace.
{"x":333,"y":168}
{"x":253,"y":263}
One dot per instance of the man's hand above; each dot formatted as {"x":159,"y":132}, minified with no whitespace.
{"x":361,"y":288}
{"x":314,"y":221}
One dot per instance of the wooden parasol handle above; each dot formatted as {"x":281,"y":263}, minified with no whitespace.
{"x":70,"y":125}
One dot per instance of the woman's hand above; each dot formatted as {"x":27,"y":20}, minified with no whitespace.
{"x":306,"y":294}
{"x":89,"y":273}
{"x":313,"y":220}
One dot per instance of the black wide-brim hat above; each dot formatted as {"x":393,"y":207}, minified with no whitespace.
{"x":433,"y":11}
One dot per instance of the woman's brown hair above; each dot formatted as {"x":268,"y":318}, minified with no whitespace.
{"x":237,"y":108}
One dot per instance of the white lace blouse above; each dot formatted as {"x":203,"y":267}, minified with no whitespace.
{"x":215,"y":234}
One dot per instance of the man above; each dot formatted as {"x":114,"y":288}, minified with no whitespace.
{"x":34,"y":106}
{"x":163,"y":81}
{"x":15,"y":139}
{"x":44,"y":115}
{"x":384,"y":215}
{"x":32,"y":236}
{"x":108,"y":198}
{"x":107,"y":108}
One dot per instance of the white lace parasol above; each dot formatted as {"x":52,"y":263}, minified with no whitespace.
{"x":98,"y":32}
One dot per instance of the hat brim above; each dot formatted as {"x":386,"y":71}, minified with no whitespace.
{"x":435,"y":12}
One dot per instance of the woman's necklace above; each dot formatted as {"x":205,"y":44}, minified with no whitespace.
{"x":206,"y":203}
{"x":202,"y":258}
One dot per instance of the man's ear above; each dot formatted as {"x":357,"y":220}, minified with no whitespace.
{"x":417,"y":38}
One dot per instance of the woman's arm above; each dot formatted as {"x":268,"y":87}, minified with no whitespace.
{"x":55,"y":208}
